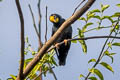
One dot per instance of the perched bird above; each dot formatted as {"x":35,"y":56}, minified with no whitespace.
{"x":63,"y":49}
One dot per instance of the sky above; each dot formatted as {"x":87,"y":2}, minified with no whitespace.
{"x":77,"y":61}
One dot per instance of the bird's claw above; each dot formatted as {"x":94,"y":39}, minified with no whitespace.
{"x":65,"y":41}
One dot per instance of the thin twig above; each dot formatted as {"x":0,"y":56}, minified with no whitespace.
{"x":33,"y":18}
{"x":78,"y":7}
{"x":86,"y":38}
{"x":101,"y":53}
{"x":46,"y":27}
{"x":42,"y":73}
{"x":52,"y":72}
{"x":21,"y":76}
{"x":39,"y":24}
{"x":39,"y":27}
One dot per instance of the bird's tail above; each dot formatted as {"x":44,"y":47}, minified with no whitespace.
{"x":62,"y":62}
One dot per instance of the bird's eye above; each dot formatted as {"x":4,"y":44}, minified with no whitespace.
{"x":55,"y":17}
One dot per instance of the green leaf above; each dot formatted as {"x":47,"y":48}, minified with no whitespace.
{"x":95,"y":10}
{"x":13,"y":77}
{"x":118,"y":5}
{"x":116,"y":44}
{"x":112,"y":53}
{"x":81,"y":76}
{"x":90,"y":15}
{"x":117,"y":14}
{"x":74,"y":41}
{"x":92,"y":60}
{"x":82,"y":18}
{"x":110,"y":45}
{"x":97,"y":17}
{"x":28,"y":60}
{"x":34,"y":52}
{"x":33,"y":72}
{"x":111,"y":58}
{"x":97,"y":72}
{"x":106,"y":52}
{"x":108,"y":17}
{"x":104,"y":7}
{"x":92,"y":78}
{"x":26,"y":39}
{"x":85,"y":26}
{"x":82,"y":42}
{"x":109,"y":55}
{"x":107,"y":66}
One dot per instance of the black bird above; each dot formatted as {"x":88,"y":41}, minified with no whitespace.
{"x":63,"y":49}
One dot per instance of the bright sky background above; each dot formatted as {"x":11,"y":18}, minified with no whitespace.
{"x":76,"y":61}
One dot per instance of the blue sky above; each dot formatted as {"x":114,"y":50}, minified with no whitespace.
{"x":76,"y":60}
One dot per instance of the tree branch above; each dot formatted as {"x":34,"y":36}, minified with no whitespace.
{"x":20,"y":76}
{"x":85,"y":38}
{"x":45,"y":47}
{"x":39,"y":24}
{"x":33,"y":18}
{"x":46,"y":27}
{"x":78,"y":6}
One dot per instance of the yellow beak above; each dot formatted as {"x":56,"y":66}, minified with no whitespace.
{"x":52,"y":19}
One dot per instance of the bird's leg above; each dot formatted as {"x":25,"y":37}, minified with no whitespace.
{"x":56,"y":49}
{"x":65,"y":41}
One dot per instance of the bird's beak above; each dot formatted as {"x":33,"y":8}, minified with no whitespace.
{"x":54,"y":20}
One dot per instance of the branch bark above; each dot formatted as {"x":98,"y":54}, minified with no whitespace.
{"x":85,"y":38}
{"x":45,"y":47}
{"x":39,"y":24}
{"x":20,"y":76}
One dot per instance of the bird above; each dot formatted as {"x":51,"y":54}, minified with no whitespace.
{"x":62,"y":50}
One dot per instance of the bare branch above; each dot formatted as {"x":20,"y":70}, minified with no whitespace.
{"x":78,"y":7}
{"x":39,"y":24}
{"x":45,"y":47}
{"x":46,"y":27}
{"x":86,"y":38}
{"x":33,"y":18}
{"x":20,"y":76}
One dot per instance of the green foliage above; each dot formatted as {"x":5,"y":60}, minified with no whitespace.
{"x":98,"y":16}
{"x":116,"y":44}
{"x":97,"y":72}
{"x":107,"y":66}
{"x":104,"y":7}
{"x":85,"y":26}
{"x":82,"y":42}
{"x":81,"y":76}
{"x":110,"y":45}
{"x":92,"y":60}
{"x":118,"y":5}
{"x":110,"y":55}
{"x":43,"y":63}
{"x":12,"y":77}
{"x":92,"y":78}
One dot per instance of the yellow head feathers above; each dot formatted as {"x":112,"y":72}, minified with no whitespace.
{"x":54,"y":19}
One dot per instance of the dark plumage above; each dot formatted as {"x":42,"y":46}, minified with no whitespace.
{"x":63,"y":49}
